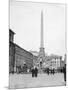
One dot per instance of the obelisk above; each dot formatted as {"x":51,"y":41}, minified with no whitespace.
{"x":41,"y":56}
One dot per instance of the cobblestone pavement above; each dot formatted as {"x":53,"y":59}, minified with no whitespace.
{"x":26,"y":80}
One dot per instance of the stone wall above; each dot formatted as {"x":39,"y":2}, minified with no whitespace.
{"x":11,"y":56}
{"x":23,"y":57}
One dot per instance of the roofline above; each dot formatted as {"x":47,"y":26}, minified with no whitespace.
{"x":22,"y":48}
{"x":12,"y":31}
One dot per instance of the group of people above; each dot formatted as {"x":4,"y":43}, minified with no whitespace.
{"x":48,"y":71}
{"x":34,"y":72}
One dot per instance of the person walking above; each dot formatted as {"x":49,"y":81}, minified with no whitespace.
{"x":36,"y":72}
{"x":33,"y":72}
{"x":64,"y":71}
{"x":48,"y":71}
{"x":53,"y":71}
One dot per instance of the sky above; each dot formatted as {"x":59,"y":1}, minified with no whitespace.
{"x":25,"y":21}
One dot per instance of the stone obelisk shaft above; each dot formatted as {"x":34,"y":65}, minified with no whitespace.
{"x":42,"y":43}
{"x":42,"y":51}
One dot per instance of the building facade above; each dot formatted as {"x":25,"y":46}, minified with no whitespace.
{"x":53,"y":62}
{"x":11,"y":51}
{"x":19,"y":59}
{"x":22,"y":58}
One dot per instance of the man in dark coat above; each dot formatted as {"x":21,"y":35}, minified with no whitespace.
{"x":48,"y":71}
{"x":36,"y":71}
{"x":53,"y":71}
{"x":33,"y":72}
{"x":64,"y":71}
